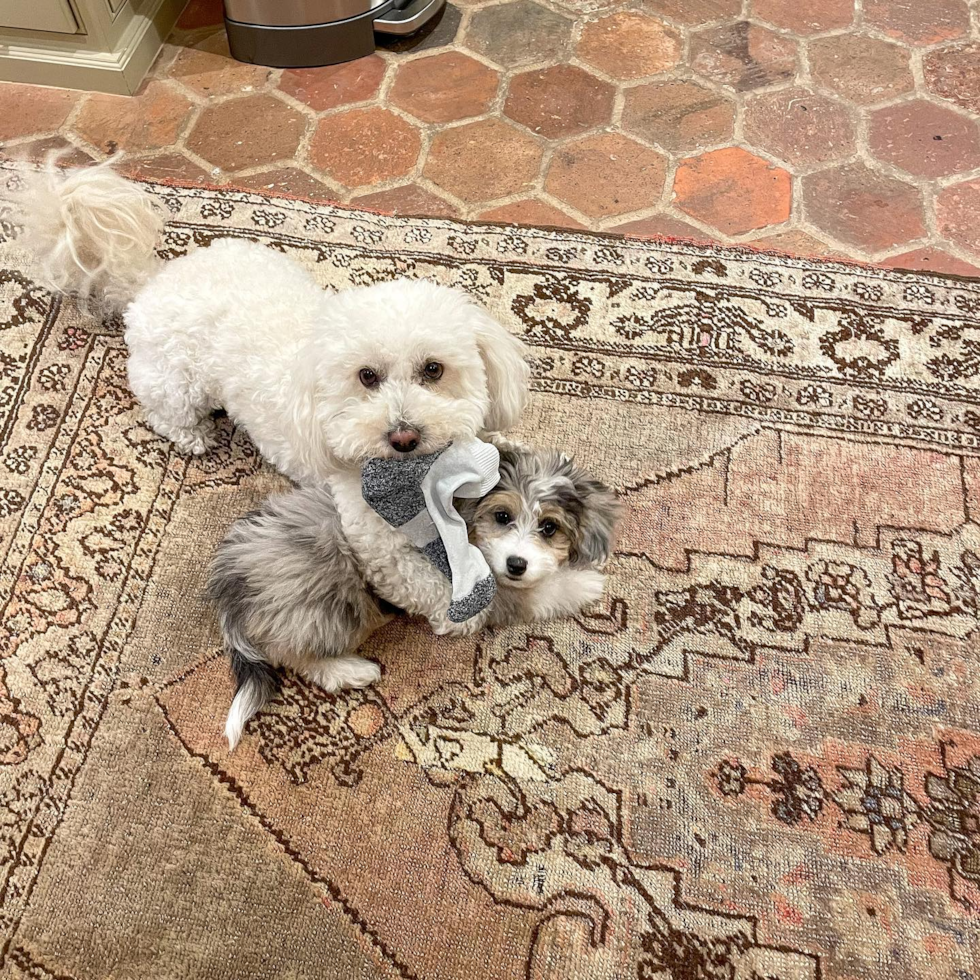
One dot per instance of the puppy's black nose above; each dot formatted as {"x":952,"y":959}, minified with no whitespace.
{"x":403,"y":440}
{"x":516,"y":566}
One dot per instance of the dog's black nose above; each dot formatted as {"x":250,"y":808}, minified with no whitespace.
{"x":403,"y":440}
{"x":516,"y":566}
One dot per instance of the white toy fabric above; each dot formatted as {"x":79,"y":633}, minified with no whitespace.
{"x":415,"y":495}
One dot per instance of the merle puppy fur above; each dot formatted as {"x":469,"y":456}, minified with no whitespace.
{"x":290,"y":591}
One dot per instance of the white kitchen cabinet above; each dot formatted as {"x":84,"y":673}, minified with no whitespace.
{"x":102,"y":45}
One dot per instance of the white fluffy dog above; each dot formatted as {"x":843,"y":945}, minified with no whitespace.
{"x":321,"y":381}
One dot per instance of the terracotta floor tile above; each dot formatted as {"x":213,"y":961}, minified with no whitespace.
{"x":799,"y":126}
{"x":247,"y":132}
{"x":958,"y":214}
{"x":444,"y":87}
{"x":286,"y":180}
{"x":805,"y":16}
{"x":954,"y":74}
{"x":862,"y":69}
{"x":590,"y":103}
{"x":862,"y":207}
{"x":919,"y":21}
{"x":407,"y":199}
{"x":209,"y":69}
{"x":483,"y":160}
{"x":29,"y":109}
{"x":924,"y":139}
{"x":662,"y":226}
{"x":694,"y":11}
{"x":442,"y":30}
{"x":933,"y":260}
{"x":530,"y":212}
{"x":151,"y":120}
{"x":678,"y":115}
{"x":743,"y":55}
{"x":629,"y":45}
{"x":40,"y":150}
{"x":519,"y":33}
{"x":733,"y":190}
{"x":163,"y":167}
{"x":364,"y":146}
{"x":797,"y":243}
{"x":335,"y":85}
{"x":603,"y":176}
{"x":559,"y":101}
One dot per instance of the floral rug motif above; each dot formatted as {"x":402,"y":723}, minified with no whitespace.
{"x":758,"y":757}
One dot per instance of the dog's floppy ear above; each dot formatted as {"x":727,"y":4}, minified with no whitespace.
{"x":598,"y":510}
{"x":508,"y":373}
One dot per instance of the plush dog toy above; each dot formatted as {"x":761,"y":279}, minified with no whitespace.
{"x":415,"y":495}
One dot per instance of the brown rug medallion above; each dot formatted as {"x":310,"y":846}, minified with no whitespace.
{"x":758,"y":760}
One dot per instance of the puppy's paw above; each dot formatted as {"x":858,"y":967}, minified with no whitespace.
{"x":585,"y":586}
{"x":336,"y":673}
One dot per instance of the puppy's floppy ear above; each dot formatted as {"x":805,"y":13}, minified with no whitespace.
{"x":508,"y":372}
{"x":598,"y":510}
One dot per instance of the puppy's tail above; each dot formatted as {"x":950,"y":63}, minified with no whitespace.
{"x":93,"y":231}
{"x":256,"y":683}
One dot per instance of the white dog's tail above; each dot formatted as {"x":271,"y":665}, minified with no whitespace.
{"x":93,"y":231}
{"x":256,"y":683}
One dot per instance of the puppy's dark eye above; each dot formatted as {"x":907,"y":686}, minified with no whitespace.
{"x":432,"y":371}
{"x":368,"y":378}
{"x":501,"y":517}
{"x":548,"y":528}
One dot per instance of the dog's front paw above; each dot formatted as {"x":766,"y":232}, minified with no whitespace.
{"x":446,"y":627}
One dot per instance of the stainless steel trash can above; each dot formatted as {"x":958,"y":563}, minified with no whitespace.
{"x":308,"y":33}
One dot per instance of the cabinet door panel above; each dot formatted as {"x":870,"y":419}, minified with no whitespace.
{"x":39,"y":15}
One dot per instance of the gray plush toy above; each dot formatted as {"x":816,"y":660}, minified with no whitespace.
{"x":415,"y":495}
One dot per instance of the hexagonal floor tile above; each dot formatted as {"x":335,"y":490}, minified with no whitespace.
{"x":662,"y":225}
{"x":932,"y":260}
{"x":862,"y":69}
{"x":743,"y":55}
{"x":957,"y":207}
{"x":209,"y":69}
{"x":39,"y":150}
{"x":483,"y":160}
{"x":678,"y":115}
{"x":407,"y":199}
{"x":201,"y":13}
{"x":695,"y":11}
{"x":286,"y":180}
{"x":862,"y":207}
{"x":150,"y":120}
{"x":164,"y":167}
{"x":954,"y":74}
{"x":800,"y":127}
{"x":444,"y":87}
{"x":797,"y":243}
{"x":530,"y":212}
{"x":335,"y":85}
{"x":629,"y":45}
{"x":733,"y":190}
{"x":805,"y":16}
{"x":924,"y":139}
{"x":29,"y":109}
{"x":559,"y":101}
{"x":918,"y":22}
{"x":245,"y":132}
{"x":437,"y":33}
{"x":606,"y":175}
{"x":518,"y":33}
{"x":360,"y":147}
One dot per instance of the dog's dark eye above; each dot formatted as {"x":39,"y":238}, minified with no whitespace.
{"x":432,"y":371}
{"x":368,"y":378}
{"x":501,"y":517}
{"x":548,"y":528}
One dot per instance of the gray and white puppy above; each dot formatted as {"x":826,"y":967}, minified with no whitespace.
{"x":290,"y":592}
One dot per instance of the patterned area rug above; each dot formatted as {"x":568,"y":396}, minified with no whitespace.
{"x":759,"y":758}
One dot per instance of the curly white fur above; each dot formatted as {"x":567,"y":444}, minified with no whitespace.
{"x":242,"y":327}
